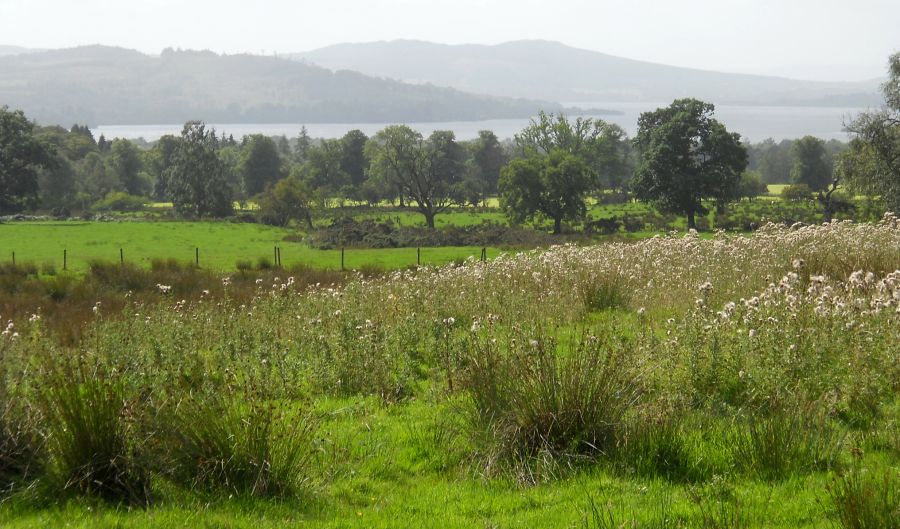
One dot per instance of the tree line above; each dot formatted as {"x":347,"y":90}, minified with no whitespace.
{"x":682,"y":160}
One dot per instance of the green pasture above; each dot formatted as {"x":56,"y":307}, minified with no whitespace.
{"x":221,"y":245}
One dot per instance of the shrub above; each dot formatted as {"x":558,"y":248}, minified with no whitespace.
{"x":796,"y":193}
{"x":119,"y":201}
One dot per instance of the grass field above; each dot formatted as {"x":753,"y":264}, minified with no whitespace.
{"x":742,"y":382}
{"x":221,"y":245}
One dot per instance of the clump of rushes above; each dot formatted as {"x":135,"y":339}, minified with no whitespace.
{"x":867,"y":500}
{"x":535,"y":404}
{"x":787,"y":439}
{"x":244,"y":445}
{"x":20,"y":446}
{"x":91,"y":429}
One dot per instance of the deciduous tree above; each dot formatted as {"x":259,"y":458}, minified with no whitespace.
{"x":872,"y":165}
{"x":686,"y":156}
{"x":21,"y":156}
{"x":554,"y":185}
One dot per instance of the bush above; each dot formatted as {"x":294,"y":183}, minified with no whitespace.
{"x":119,"y":201}
{"x":796,"y":193}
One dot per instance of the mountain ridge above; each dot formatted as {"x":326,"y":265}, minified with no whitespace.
{"x":105,"y":85}
{"x":554,"y":71}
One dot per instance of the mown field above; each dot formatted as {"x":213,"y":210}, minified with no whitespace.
{"x":728,"y":382}
{"x":221,"y":244}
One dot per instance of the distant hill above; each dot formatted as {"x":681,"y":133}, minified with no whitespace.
{"x":556,"y":72}
{"x":98,"y":85}
{"x":15,"y":50}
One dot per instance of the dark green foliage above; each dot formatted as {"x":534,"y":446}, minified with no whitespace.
{"x":687,"y":157}
{"x":553,"y":185}
{"x":127,"y":163}
{"x":872,"y":164}
{"x":796,"y":193}
{"x":21,"y":156}
{"x":196,"y":179}
{"x":288,"y":200}
{"x":427,"y":172}
{"x":260,"y":165}
{"x":812,"y":164}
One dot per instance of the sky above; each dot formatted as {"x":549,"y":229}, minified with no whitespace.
{"x":835,"y":40}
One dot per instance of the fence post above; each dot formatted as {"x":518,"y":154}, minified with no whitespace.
{"x":342,"y":258}
{"x":418,"y":256}
{"x":65,"y":258}
{"x":121,"y":256}
{"x":278,"y":251}
{"x":197,"y":257}
{"x":14,"y":258}
{"x":275,"y":253}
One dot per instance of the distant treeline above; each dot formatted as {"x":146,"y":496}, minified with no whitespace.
{"x":98,"y":174}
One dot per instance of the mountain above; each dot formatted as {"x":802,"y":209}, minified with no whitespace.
{"x":99,"y":85}
{"x":15,"y":50}
{"x":556,"y":72}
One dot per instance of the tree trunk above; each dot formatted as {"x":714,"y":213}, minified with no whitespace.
{"x":557,"y":226}
{"x":429,"y":219}
{"x":692,"y":224}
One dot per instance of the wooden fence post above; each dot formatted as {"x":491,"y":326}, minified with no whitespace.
{"x":197,"y":257}
{"x":342,"y":259}
{"x":65,"y":258}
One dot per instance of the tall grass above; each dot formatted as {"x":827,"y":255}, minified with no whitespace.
{"x":93,"y":440}
{"x":867,"y":500}
{"x":243,"y":446}
{"x":789,"y":439}
{"x":533,"y":399}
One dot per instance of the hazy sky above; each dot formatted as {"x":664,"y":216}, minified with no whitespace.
{"x":814,"y":39}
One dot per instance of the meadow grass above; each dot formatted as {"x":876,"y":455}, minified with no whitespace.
{"x":737,"y":381}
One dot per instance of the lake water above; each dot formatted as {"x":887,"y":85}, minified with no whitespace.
{"x":752,"y":122}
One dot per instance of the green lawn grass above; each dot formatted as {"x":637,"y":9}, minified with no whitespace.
{"x":221,"y":245}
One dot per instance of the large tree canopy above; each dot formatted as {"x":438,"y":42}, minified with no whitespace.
{"x":872,"y":165}
{"x":428,"y":172}
{"x":260,"y":165}
{"x":21,"y":156}
{"x":602,"y":146}
{"x":553,"y":185}
{"x":812,"y":163}
{"x":686,"y":156}
{"x":196,"y":179}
